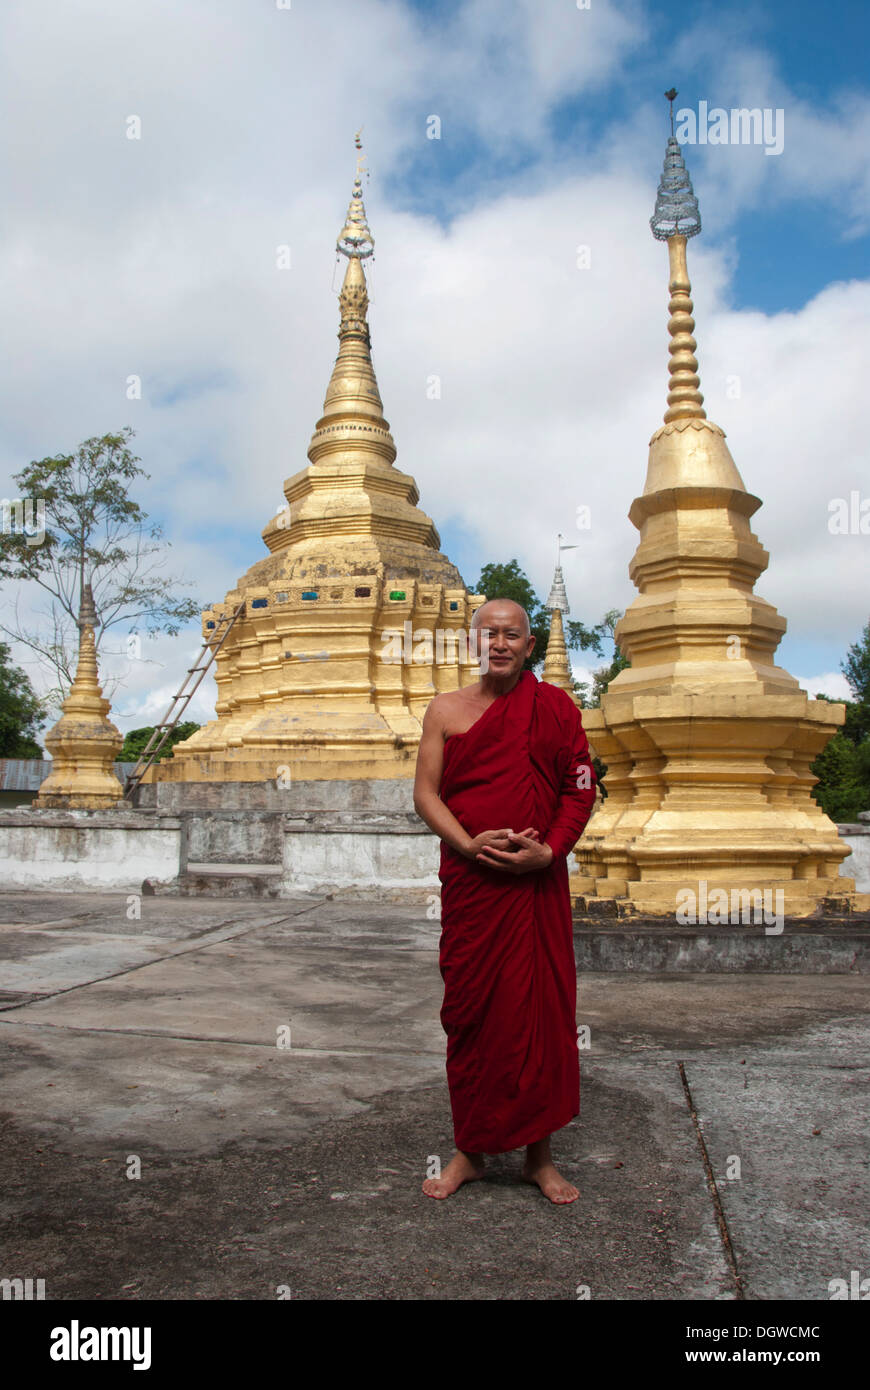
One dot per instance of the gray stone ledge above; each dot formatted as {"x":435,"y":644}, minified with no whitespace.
{"x":350,"y":822}
{"x":123,"y":819}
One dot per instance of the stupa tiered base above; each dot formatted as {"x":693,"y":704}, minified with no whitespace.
{"x":711,"y":792}
{"x":330,"y":686}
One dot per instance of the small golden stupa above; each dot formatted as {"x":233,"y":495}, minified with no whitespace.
{"x":707,"y":742}
{"x":356,"y":619}
{"x":83,"y":743}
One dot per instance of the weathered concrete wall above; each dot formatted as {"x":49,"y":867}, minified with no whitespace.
{"x":386,"y":795}
{"x":346,"y":852}
{"x":67,"y":850}
{"x":857,"y":866}
{"x":244,"y":835}
{"x":825,"y":948}
{"x":315,"y":849}
{"x":234,"y":837}
{"x":246,"y":823}
{"x":325,"y":835}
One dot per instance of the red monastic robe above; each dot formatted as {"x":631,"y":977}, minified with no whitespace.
{"x":507,"y":950}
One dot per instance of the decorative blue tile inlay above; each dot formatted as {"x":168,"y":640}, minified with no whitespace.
{"x":310,"y":593}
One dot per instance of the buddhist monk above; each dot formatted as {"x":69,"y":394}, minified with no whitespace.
{"x":505,"y":780}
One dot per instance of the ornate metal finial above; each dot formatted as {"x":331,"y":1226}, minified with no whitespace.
{"x":87,"y":609}
{"x":676,"y":211}
{"x":355,"y":239}
{"x":558,"y":597}
{"x":671,"y":96}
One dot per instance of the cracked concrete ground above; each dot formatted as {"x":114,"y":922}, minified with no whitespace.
{"x":300,"y":1166}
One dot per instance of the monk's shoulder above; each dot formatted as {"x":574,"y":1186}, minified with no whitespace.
{"x":440,"y":708}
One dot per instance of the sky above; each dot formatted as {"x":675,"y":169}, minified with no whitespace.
{"x":156,"y":257}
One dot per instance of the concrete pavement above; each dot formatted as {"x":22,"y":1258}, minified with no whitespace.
{"x":720,"y":1151}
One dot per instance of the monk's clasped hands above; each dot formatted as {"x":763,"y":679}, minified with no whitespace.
{"x":528,"y":854}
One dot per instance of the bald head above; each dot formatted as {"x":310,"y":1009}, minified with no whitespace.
{"x":502,"y":612}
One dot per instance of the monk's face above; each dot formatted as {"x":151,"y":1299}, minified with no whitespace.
{"x":504,"y":638}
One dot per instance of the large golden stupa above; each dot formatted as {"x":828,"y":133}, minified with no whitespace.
{"x":708,"y":743}
{"x":356,"y":619}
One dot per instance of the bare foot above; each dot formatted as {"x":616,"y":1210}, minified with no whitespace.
{"x":461,"y":1168}
{"x":551,"y":1182}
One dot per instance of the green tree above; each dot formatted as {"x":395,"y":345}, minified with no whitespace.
{"x":856,"y":669}
{"x":843,"y":770}
{"x":136,"y":740}
{"x":591,"y":693}
{"x":22,"y":712}
{"x":843,"y":766}
{"x":93,"y":532}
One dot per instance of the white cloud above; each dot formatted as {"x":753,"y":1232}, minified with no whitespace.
{"x":149,"y":685}
{"x":501,"y":66}
{"x":832,"y":683}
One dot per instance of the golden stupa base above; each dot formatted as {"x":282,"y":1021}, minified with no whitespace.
{"x":726,"y":897}
{"x":74,"y":802}
{"x":83,"y":752}
{"x":316,"y":762}
{"x":332,"y":737}
{"x":710,"y":793}
{"x":336,"y":693}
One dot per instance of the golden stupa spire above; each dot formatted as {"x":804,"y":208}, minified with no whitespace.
{"x":353,"y":389}
{"x":557,"y":668}
{"x":684,"y":398}
{"x":352,"y":489}
{"x":83,"y":743}
{"x":696,"y":623}
{"x":688,"y":449}
{"x":675,"y":219}
{"x":87,"y":680}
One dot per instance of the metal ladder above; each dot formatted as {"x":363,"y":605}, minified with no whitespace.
{"x":180,"y":701}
